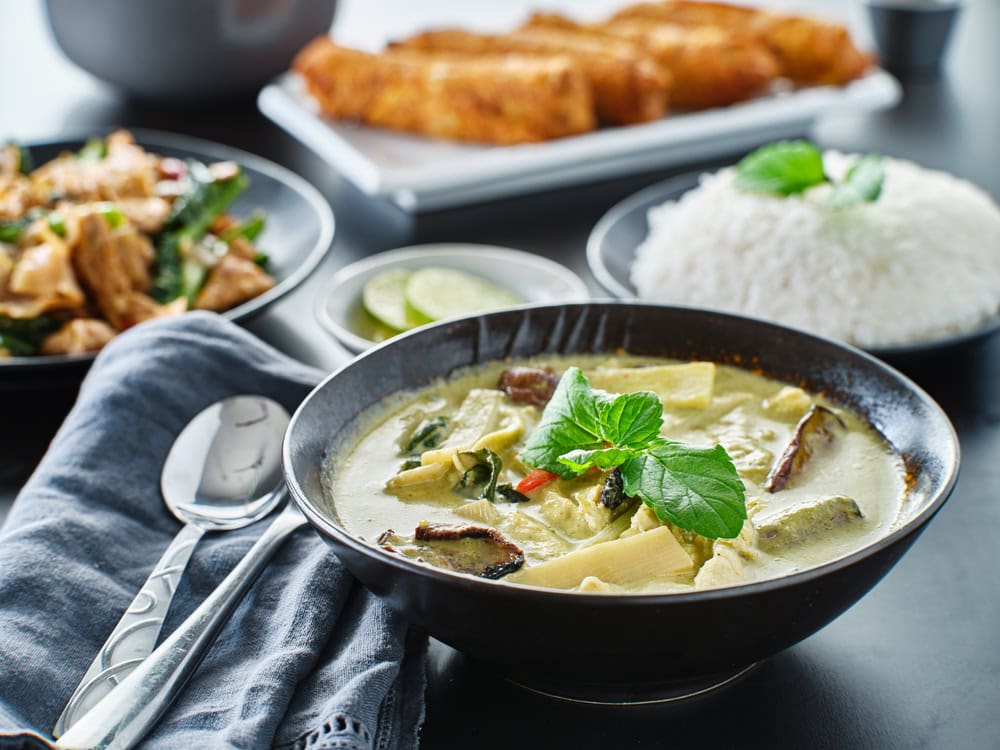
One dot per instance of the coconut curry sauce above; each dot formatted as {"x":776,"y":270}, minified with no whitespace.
{"x":439,"y":475}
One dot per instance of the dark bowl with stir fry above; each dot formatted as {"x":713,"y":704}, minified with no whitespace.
{"x":101,"y":233}
{"x":598,"y":635}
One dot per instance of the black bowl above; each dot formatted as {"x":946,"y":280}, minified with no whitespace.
{"x":623,"y":647}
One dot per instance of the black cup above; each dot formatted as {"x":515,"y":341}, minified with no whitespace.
{"x":912,"y":36}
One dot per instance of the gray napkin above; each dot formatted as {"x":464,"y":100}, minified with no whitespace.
{"x":309,"y":660}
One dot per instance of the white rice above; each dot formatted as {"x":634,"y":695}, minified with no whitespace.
{"x":920,"y":263}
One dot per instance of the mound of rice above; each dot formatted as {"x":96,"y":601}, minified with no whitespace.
{"x":920,"y":263}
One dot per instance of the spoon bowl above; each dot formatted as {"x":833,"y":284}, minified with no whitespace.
{"x":223,"y":472}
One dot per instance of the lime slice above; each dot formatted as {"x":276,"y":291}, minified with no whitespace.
{"x":436,"y":293}
{"x":384,"y":297}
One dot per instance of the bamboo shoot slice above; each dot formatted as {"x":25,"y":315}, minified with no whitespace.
{"x":419,"y":475}
{"x":653,"y":554}
{"x":688,"y":385}
{"x":507,"y":433}
{"x":478,"y":415}
{"x":482,"y":511}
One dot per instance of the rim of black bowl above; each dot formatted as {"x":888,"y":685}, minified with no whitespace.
{"x":153,"y":139}
{"x":323,"y":520}
{"x":672,"y":189}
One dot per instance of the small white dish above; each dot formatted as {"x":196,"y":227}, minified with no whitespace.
{"x":530,"y":277}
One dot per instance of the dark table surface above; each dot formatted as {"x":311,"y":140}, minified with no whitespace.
{"x":915,"y":664}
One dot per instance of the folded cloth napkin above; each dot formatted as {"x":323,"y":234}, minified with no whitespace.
{"x":309,"y":660}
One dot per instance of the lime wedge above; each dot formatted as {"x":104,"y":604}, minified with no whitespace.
{"x":436,"y":293}
{"x":384,"y":297}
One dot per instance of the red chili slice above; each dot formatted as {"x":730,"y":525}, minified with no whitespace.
{"x":534,"y":480}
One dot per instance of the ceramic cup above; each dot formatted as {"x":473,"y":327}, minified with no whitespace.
{"x":912,"y":35}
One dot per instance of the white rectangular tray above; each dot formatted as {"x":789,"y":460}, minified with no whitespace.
{"x":422,"y":174}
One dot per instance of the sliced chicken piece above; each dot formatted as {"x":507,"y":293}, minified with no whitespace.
{"x":232,"y":281}
{"x":138,"y":307}
{"x":78,"y":336}
{"x":241,"y":247}
{"x":99,"y":266}
{"x":149,"y":214}
{"x":110,"y":266}
{"x":6,"y":266}
{"x":222,"y":223}
{"x":17,"y":195}
{"x":126,"y":171}
{"x":44,"y":272}
{"x":135,"y":253}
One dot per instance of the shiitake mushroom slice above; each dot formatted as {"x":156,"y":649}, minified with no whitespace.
{"x":465,"y":548}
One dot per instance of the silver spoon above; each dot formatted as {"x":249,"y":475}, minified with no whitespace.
{"x":223,"y":472}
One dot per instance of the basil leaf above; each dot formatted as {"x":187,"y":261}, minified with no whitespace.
{"x":782,"y":168}
{"x":861,"y":184}
{"x":694,"y":488}
{"x":632,"y":419}
{"x":604,"y":459}
{"x":427,"y":435}
{"x":507,"y":494}
{"x":571,"y":421}
{"x":581,"y":418}
{"x":485,"y":472}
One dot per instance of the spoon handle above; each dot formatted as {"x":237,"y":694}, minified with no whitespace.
{"x":134,"y":636}
{"x":124,"y":716}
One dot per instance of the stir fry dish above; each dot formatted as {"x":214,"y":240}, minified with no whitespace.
{"x":554,"y":76}
{"x":96,"y":241}
{"x":620,"y":475}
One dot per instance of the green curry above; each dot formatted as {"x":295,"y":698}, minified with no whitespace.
{"x":450,"y":476}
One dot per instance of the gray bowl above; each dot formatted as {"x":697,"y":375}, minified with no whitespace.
{"x":188,"y":50}
{"x":634,"y":647}
{"x":298,"y":234}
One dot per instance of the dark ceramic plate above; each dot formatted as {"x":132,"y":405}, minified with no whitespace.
{"x":613,"y":241}
{"x":298,"y":233}
{"x":622,"y":648}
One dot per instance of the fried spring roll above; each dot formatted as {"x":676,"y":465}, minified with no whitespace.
{"x":810,"y":51}
{"x":813,"y":52}
{"x":711,"y":66}
{"x":693,"y":13}
{"x":492,"y":100}
{"x":628,"y":85}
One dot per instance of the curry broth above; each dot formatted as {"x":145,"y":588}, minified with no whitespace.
{"x":752,"y":417}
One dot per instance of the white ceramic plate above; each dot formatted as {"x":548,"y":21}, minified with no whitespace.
{"x":422,"y":174}
{"x":530,"y":277}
